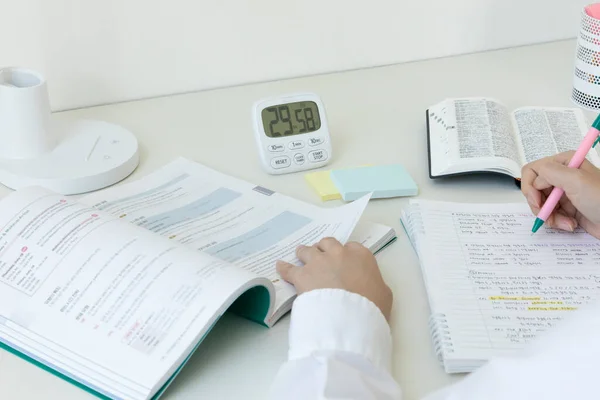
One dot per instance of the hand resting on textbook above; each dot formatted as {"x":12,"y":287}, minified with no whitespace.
{"x":331,"y":265}
{"x":579,"y":206}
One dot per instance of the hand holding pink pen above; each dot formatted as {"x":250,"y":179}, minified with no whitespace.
{"x":590,"y":141}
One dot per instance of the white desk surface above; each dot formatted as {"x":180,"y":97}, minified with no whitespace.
{"x":376,"y":116}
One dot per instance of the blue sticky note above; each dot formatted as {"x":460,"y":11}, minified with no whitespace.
{"x":383,"y":181}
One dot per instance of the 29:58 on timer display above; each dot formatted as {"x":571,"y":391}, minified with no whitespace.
{"x":292,"y":133}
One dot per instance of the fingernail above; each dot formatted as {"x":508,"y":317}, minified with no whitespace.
{"x":566,"y":226}
{"x":574,"y":225}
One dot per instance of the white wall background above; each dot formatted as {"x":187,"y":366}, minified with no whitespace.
{"x":101,"y":51}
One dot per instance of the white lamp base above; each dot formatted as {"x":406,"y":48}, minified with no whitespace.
{"x":91,"y":155}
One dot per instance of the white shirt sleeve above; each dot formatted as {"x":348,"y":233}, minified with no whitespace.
{"x":340,"y":348}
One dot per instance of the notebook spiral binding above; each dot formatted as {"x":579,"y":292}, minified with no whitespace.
{"x":415,"y":225}
{"x":438,"y":324}
{"x":440,"y":335}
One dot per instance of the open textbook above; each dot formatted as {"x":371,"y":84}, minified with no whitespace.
{"x":115,"y":291}
{"x":469,"y":135}
{"x":492,"y":286}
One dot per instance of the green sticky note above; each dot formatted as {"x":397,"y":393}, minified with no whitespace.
{"x":383,"y":181}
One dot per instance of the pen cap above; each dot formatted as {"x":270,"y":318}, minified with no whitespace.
{"x":24,"y":114}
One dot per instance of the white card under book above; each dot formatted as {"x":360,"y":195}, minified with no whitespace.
{"x":469,"y":135}
{"x":492,"y":286}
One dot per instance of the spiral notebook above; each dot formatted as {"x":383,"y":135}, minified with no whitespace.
{"x":492,"y":286}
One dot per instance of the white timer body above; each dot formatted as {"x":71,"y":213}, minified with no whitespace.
{"x":292,"y":133}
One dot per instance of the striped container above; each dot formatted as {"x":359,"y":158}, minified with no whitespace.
{"x":586,"y":79}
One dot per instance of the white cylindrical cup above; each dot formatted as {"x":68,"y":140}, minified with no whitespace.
{"x":25,"y":130}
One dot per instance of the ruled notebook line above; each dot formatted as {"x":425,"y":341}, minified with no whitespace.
{"x":493,"y":287}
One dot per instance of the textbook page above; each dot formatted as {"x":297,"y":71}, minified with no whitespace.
{"x":497,"y":286}
{"x":473,"y":134}
{"x":544,"y":132}
{"x":101,"y":301}
{"x":247,"y":225}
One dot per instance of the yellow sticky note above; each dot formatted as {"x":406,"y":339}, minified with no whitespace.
{"x":323,"y":185}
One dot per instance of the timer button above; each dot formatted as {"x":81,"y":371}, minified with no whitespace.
{"x":317,"y":156}
{"x":276,"y":148}
{"x":299,"y":158}
{"x":315,"y":141}
{"x":281,"y":162}
{"x":296,"y":144}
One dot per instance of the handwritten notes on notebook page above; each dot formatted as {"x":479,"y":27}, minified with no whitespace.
{"x":492,"y":286}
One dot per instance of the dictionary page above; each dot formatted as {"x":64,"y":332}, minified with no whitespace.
{"x":103,"y":302}
{"x":544,"y":132}
{"x":493,"y":286}
{"x":247,"y":225}
{"x":472,"y":135}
